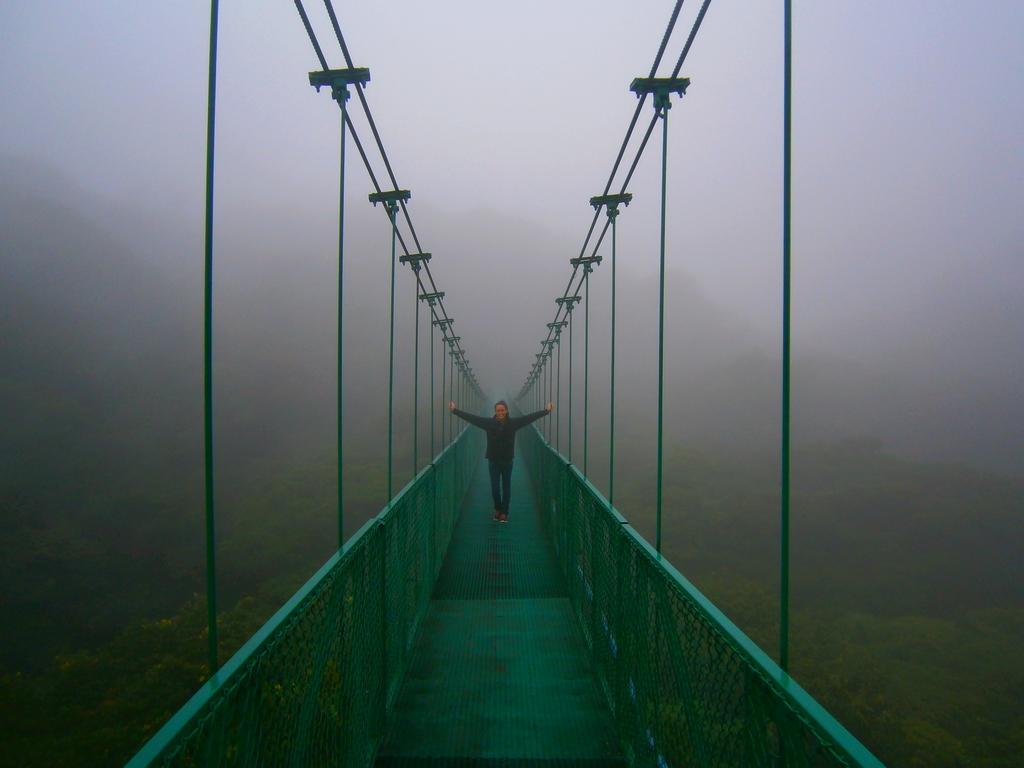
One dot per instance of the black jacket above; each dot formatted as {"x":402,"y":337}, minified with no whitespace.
{"x":501,"y":436}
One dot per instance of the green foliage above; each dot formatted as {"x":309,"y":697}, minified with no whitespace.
{"x":103,"y":692}
{"x":917,"y":690}
{"x":870,"y":532}
{"x":907,"y":624}
{"x":96,"y":707}
{"x":908,"y":588}
{"x":78,"y":571}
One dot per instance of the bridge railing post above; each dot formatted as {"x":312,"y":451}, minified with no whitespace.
{"x":662,"y":90}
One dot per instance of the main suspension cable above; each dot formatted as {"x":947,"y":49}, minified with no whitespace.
{"x":439,"y":311}
{"x":574,"y":285}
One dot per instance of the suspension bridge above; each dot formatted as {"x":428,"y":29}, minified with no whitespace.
{"x":434,"y":636}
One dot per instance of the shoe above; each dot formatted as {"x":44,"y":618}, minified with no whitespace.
{"x":497,"y":515}
{"x":503,"y":517}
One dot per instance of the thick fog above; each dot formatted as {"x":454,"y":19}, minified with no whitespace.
{"x":503,"y":120}
{"x":907,"y":174}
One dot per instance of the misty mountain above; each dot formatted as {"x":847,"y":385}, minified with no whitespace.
{"x":101,"y":373}
{"x":104,"y":305}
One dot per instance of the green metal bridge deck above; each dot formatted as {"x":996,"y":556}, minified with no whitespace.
{"x":500,"y":674}
{"x":435,"y":636}
{"x":438,"y":637}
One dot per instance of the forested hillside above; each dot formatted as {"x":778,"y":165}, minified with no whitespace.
{"x":908,"y":584}
{"x":921,"y":680}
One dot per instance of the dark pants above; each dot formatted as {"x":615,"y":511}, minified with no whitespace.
{"x":501,"y":484}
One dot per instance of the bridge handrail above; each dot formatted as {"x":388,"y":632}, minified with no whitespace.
{"x":273,"y":704}
{"x":684,"y":683}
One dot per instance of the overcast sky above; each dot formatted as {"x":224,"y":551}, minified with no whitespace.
{"x":908,"y":161}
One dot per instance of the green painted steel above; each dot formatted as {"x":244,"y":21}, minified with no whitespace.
{"x":662,"y":89}
{"x":568,"y":309}
{"x":451,"y":390}
{"x":432,"y":446}
{"x":685,"y":686}
{"x":392,"y":208}
{"x":390,"y":200}
{"x":613,"y":214}
{"x":342,"y":100}
{"x":211,"y":547}
{"x":500,"y":675}
{"x":338,"y":81}
{"x":786,"y":275}
{"x":416,"y":261}
{"x":416,"y":380}
{"x":661,"y":320}
{"x":437,"y":634}
{"x":444,"y":408}
{"x":611,"y":204}
{"x":314,"y":685}
{"x":558,"y":392}
{"x":586,"y":364}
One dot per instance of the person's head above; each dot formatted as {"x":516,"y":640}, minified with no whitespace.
{"x":501,"y":410}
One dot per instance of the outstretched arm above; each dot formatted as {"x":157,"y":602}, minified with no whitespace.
{"x":477,"y":421}
{"x":521,"y":421}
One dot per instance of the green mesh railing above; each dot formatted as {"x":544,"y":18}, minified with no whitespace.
{"x":315,"y":684}
{"x":686,"y":687}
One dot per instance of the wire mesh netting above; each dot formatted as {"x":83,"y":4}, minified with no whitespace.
{"x":318,"y":683}
{"x":314,"y":686}
{"x":500,"y":676}
{"x":686,"y":687}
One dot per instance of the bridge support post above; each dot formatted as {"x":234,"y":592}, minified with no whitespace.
{"x":445,"y":326}
{"x":786,"y":297}
{"x":549,"y":383}
{"x":444,"y":405}
{"x":557,"y":341}
{"x":662,"y":90}
{"x":390,"y":200}
{"x":567,"y":303}
{"x":588,"y":263}
{"x":211,"y":529}
{"x":416,"y":261}
{"x":452,"y":350}
{"x":451,"y":388}
{"x":432,"y":299}
{"x":611,"y":203}
{"x":432,"y":450}
{"x":416,"y":381}
{"x":338,"y":80}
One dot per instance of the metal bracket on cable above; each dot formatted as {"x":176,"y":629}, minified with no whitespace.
{"x":338,"y":80}
{"x":568,"y":302}
{"x":612,"y":203}
{"x":661,"y":88}
{"x":447,"y":323}
{"x":390,"y":198}
{"x":587,"y":262}
{"x":414,"y":260}
{"x":432,"y":299}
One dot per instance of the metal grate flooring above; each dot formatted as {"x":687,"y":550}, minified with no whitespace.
{"x":500,"y":677}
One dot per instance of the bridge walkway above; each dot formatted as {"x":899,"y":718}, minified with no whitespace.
{"x":500,"y":675}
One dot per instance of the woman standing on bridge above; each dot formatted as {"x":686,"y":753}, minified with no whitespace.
{"x":501,"y":448}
